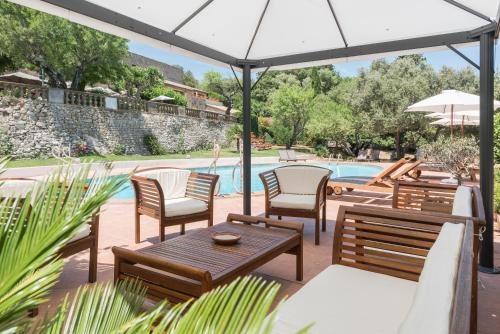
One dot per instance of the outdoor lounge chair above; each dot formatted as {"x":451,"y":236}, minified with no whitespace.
{"x":173,"y":196}
{"x":391,"y":272}
{"x":289,"y":156}
{"x":87,"y":239}
{"x":381,"y":182}
{"x":297,"y":191}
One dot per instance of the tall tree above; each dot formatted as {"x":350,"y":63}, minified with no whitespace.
{"x":291,"y":108}
{"x":65,"y":51}
{"x":385,"y":90}
{"x":224,"y":88}
{"x":136,"y":80}
{"x":189,"y":79}
{"x":465,"y":80}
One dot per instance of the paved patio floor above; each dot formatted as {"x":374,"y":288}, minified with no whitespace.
{"x":117,"y":229}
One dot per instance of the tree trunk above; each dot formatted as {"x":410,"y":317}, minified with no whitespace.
{"x":56,"y":79}
{"x":77,"y":79}
{"x":398,"y":144}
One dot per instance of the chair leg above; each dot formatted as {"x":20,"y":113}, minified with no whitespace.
{"x":137,"y":228}
{"x":211,"y":221}
{"x":316,"y":230}
{"x":279,"y":217}
{"x":183,"y":228}
{"x":323,"y":219}
{"x":93,"y":263}
{"x":162,"y":231}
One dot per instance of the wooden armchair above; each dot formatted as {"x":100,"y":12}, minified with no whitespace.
{"x":173,"y":197}
{"x":87,"y":239}
{"x":297,"y":191}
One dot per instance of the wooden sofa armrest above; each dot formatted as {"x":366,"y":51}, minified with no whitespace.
{"x":271,"y":184}
{"x":268,"y":222}
{"x":387,"y":241}
{"x":201,"y":186}
{"x":123,"y":255}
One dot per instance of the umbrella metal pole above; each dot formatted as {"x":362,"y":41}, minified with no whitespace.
{"x":451,"y":121}
{"x":486,"y":262}
{"x":247,"y":145}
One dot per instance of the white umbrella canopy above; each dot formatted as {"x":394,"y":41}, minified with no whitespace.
{"x":449,"y":101}
{"x":162,"y":98}
{"x":456,"y":121}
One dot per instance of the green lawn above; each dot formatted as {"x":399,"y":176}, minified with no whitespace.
{"x":225,"y":153}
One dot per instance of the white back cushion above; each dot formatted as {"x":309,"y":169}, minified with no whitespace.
{"x":300,"y":179}
{"x":173,"y":182}
{"x":433,"y":301}
{"x":462,"y":202}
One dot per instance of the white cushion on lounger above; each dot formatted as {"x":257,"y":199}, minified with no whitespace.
{"x":342,"y":299}
{"x":300,"y":179}
{"x":183,"y":206}
{"x":292,"y":201}
{"x":173,"y":181}
{"x":433,"y":302}
{"x":462,"y":202}
{"x":85,"y":232}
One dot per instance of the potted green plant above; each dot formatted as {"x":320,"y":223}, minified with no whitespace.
{"x":458,"y":156}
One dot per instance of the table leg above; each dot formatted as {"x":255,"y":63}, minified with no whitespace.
{"x":299,"y":254}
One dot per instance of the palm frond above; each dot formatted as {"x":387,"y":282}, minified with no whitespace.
{"x":33,"y":230}
{"x":240,"y":307}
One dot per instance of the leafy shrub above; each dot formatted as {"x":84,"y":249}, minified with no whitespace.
{"x":83,"y":149}
{"x":153,"y":145}
{"x":156,"y":91}
{"x":5,"y":144}
{"x":120,"y":149}
{"x":458,"y":155}
{"x":321,"y":151}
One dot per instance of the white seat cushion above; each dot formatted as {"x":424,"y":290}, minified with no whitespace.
{"x":462,"y":202}
{"x":347,"y":300}
{"x":300,"y":179}
{"x":173,"y":181}
{"x":84,"y":233}
{"x":433,"y":302}
{"x":291,"y":201}
{"x":184,"y":206}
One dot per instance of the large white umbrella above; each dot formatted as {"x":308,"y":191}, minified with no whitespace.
{"x":463,"y":120}
{"x":162,"y":98}
{"x":449,"y":102}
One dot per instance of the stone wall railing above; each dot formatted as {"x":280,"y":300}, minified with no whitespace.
{"x":121,"y":103}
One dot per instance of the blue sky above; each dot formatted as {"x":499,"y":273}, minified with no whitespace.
{"x":436,"y":59}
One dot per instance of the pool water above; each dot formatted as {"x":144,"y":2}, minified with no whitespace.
{"x":228,"y":186}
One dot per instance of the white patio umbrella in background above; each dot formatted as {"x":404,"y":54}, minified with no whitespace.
{"x":162,"y":98}
{"x":449,"y":102}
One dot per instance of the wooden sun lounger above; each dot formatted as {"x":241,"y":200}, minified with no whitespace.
{"x":380,"y":183}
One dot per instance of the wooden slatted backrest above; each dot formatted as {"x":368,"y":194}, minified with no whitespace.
{"x":424,"y":196}
{"x":391,"y":242}
{"x":271,"y":185}
{"x":201,"y":186}
{"x":148,"y":196}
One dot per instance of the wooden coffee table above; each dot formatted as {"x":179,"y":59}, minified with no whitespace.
{"x":189,"y":265}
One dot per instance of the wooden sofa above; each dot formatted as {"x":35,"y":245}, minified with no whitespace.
{"x":392,"y":271}
{"x":86,"y":239}
{"x":173,"y":197}
{"x":297,"y":191}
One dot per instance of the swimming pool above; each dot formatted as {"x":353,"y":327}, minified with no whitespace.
{"x":227,"y":186}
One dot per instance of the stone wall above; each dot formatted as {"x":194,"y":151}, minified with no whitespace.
{"x":34,"y":127}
